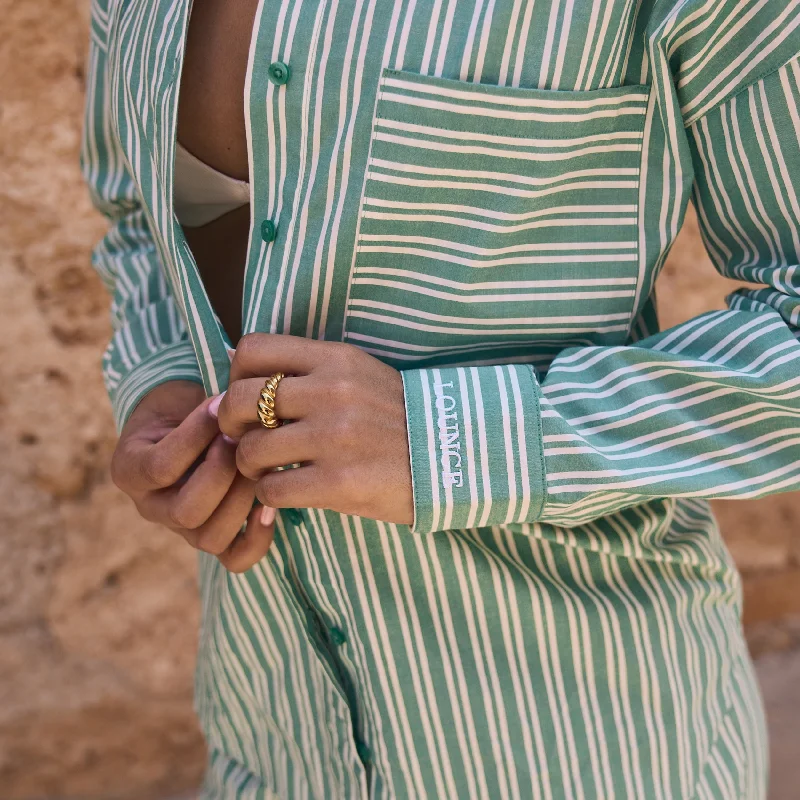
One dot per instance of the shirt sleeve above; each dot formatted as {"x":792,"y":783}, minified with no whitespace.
{"x":149,"y":343}
{"x":709,"y":408}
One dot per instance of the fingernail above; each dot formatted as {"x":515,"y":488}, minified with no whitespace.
{"x":267,"y":516}
{"x":213,"y":406}
{"x":231,"y":353}
{"x":229,"y":440}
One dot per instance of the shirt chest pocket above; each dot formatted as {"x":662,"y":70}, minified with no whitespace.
{"x":496,"y":223}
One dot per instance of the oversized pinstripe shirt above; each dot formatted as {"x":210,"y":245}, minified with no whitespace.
{"x":482,"y":193}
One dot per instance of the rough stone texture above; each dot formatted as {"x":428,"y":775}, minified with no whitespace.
{"x":98,"y":610}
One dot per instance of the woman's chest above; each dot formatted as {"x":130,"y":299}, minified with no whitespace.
{"x":581,"y":46}
{"x":211,"y":115}
{"x":444,"y":181}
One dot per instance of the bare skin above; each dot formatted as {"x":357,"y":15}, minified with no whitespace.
{"x":211,"y":126}
{"x":349,"y":430}
{"x":172,"y":460}
{"x":220,"y":250}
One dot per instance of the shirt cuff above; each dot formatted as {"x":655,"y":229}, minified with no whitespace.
{"x":176,"y":362}
{"x":475,"y":440}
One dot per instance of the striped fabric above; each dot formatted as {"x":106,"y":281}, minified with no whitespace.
{"x":482,"y":194}
{"x":496,"y":259}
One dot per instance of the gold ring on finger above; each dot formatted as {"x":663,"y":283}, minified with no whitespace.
{"x":266,"y":401}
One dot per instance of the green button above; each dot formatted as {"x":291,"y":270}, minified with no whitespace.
{"x":278,"y":73}
{"x":337,"y":636}
{"x":364,"y":753}
{"x":295,"y":517}
{"x":268,"y":230}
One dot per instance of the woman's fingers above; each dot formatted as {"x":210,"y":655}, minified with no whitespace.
{"x":237,"y":412}
{"x":142,"y":465}
{"x":210,"y":508}
{"x":267,"y":353}
{"x":251,"y":545}
{"x":261,"y":450}
{"x":299,"y":487}
{"x":220,"y":529}
{"x":198,"y":498}
{"x":189,"y":504}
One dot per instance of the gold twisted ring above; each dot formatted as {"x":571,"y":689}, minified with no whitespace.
{"x":266,"y":401}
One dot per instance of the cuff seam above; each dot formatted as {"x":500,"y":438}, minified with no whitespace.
{"x":492,"y":418}
{"x":176,"y":361}
{"x":411,"y":460}
{"x":537,"y":393}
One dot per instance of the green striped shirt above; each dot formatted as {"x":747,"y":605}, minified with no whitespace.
{"x":482,"y":193}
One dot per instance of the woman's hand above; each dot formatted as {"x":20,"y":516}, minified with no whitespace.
{"x":176,"y":466}
{"x":348,"y":429}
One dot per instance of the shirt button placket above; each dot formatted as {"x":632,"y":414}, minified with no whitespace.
{"x":269,"y":230}
{"x":294,"y":516}
{"x":364,"y":753}
{"x":278,"y":73}
{"x":337,"y":636}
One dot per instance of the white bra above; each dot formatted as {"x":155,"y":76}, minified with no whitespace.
{"x":201,"y":193}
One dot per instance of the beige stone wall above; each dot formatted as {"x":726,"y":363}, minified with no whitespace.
{"x":98,"y":610}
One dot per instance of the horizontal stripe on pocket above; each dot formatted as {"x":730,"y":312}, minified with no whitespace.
{"x":496,"y":221}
